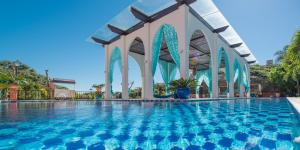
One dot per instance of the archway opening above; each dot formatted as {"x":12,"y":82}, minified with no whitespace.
{"x":115,"y":73}
{"x":223,"y":73}
{"x":236,"y":89}
{"x":203,"y":90}
{"x":199,"y":64}
{"x":136,"y":59}
{"x":165,"y":60}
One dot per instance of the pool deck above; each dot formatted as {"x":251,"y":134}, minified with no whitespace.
{"x":295,"y":101}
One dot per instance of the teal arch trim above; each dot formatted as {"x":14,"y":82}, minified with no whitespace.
{"x":168,"y":73}
{"x":237,"y":73}
{"x":204,"y":76}
{"x":168,"y":33}
{"x":245,"y":79}
{"x":115,"y":57}
{"x":227,"y":71}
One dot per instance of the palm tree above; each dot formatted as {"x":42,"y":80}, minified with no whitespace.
{"x":95,"y":86}
{"x":280,"y":54}
{"x":291,"y":61}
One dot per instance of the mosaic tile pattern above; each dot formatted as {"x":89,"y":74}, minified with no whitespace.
{"x":233,"y":124}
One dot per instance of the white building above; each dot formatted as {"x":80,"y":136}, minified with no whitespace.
{"x":189,"y":35}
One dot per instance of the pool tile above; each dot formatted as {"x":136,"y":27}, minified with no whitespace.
{"x":74,"y":145}
{"x":271,"y":144}
{"x":226,"y":142}
{"x":284,"y":137}
{"x":97,"y":146}
{"x":67,"y":131}
{"x":86,"y":133}
{"x":250,"y":146}
{"x":255,"y":132}
{"x":104,"y":136}
{"x":193,"y":147}
{"x":209,"y":146}
{"x":173,"y":138}
{"x":241,"y":136}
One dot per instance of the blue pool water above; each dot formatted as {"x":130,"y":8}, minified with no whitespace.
{"x":227,"y":124}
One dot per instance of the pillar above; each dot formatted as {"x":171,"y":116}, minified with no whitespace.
{"x":214,"y":66}
{"x":183,"y":42}
{"x":148,"y":84}
{"x":231,"y":70}
{"x":249,"y":80}
{"x":124,"y":68}
{"x":107,"y":63}
{"x":242,"y":90}
{"x":143,"y":85}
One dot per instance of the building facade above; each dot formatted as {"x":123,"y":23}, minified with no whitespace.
{"x":191,"y":36}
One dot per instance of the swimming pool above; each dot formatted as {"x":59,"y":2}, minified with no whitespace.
{"x":226,"y":124}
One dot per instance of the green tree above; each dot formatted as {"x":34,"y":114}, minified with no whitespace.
{"x":25,"y":77}
{"x":98,"y":86}
{"x":280,"y":54}
{"x":159,"y":89}
{"x":291,"y":61}
{"x":135,"y":93}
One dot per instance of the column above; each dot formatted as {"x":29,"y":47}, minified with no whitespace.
{"x":214,"y":66}
{"x":242,"y":90}
{"x":124,"y":68}
{"x":107,"y":82}
{"x":214,"y":71}
{"x":148,"y":84}
{"x":183,"y":42}
{"x":249,"y":80}
{"x":231,"y":70}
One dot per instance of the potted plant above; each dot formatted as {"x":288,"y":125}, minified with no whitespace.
{"x":99,"y":93}
{"x":182,"y":87}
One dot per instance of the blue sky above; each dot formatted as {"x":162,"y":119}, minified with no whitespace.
{"x":51,"y":34}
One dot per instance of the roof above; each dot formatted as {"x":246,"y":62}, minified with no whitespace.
{"x":134,"y":16}
{"x":66,"y":81}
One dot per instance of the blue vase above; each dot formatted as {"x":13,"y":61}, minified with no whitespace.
{"x":183,"y":93}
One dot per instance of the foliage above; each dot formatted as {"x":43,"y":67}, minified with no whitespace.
{"x":291,"y":61}
{"x":61,"y":87}
{"x":159,"y":89}
{"x":95,"y":86}
{"x":117,"y":95}
{"x":182,"y":83}
{"x":276,"y":80}
{"x":25,"y":77}
{"x":135,"y":93}
{"x":280,"y":54}
{"x":260,"y":71}
{"x":283,"y":77}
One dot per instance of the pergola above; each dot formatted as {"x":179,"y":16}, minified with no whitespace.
{"x":189,"y":35}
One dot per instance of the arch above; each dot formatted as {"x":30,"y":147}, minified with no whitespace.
{"x":168,"y":33}
{"x":200,"y":60}
{"x":223,"y":58}
{"x":237,"y":74}
{"x":204,"y":77}
{"x":115,"y":57}
{"x":165,"y":39}
{"x":137,"y":52}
